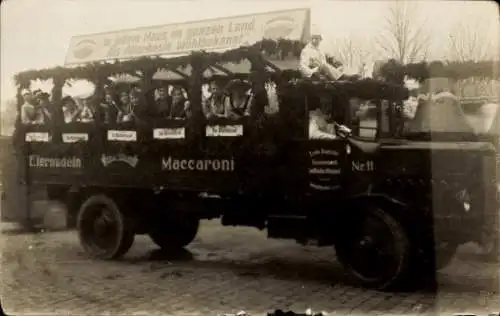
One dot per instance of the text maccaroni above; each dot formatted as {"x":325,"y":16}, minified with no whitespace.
{"x":173,"y":164}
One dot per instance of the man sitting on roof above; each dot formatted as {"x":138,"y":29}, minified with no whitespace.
{"x":313,"y":60}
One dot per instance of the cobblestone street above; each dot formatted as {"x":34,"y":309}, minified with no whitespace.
{"x":224,"y":271}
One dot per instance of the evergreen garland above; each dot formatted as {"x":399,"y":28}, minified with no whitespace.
{"x":395,"y":72}
{"x":275,"y":49}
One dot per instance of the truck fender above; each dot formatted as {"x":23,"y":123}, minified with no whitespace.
{"x":378,"y":198}
{"x":354,"y":206}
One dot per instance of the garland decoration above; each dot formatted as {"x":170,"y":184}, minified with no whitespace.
{"x":366,"y":89}
{"x":277,"y":49}
{"x":393,"y":71}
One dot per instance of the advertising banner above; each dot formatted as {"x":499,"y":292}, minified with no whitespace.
{"x":178,"y":39}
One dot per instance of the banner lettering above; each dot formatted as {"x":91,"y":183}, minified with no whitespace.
{"x":178,"y":39}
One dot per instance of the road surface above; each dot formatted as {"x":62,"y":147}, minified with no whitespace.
{"x":224,"y":271}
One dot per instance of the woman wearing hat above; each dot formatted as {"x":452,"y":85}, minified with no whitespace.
{"x":179,"y":108}
{"x":239,"y":101}
{"x":87,"y":113}
{"x":124,"y":111}
{"x":109,"y":107}
{"x":44,"y":110}
{"x":70,"y":110}
{"x":313,"y":61}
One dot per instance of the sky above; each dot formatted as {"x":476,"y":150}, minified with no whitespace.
{"x":35,"y":33}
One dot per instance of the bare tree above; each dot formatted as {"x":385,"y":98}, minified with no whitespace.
{"x":473,"y":41}
{"x":403,"y":36}
{"x":352,"y":53}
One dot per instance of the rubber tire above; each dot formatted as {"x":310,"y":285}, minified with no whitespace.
{"x":403,"y":244}
{"x":172,"y":234}
{"x":126,"y":236}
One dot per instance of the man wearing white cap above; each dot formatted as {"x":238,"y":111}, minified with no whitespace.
{"x":313,"y":60}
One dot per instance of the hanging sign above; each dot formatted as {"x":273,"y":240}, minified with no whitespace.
{"x":37,"y":137}
{"x":224,"y":130}
{"x":75,"y":137}
{"x":169,"y":133}
{"x":122,"y":136}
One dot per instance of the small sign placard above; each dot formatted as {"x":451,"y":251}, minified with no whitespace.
{"x":122,"y":136}
{"x":224,"y":130}
{"x":75,"y":137}
{"x":169,"y":133}
{"x":37,"y":137}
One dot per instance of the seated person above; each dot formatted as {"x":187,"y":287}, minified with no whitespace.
{"x":124,"y":109}
{"x":44,"y":109}
{"x":272,"y":106}
{"x":410,"y":107}
{"x":87,"y":113}
{"x":32,"y":112}
{"x":163,"y":102}
{"x":179,"y":108}
{"x":109,"y":107}
{"x":313,"y":60}
{"x":71,"y":111}
{"x":213,"y":106}
{"x":138,"y":105}
{"x":27,"y":108}
{"x":319,"y":127}
{"x":239,"y":101}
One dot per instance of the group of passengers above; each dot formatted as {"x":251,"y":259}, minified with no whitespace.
{"x":231,"y":101}
{"x":36,"y":108}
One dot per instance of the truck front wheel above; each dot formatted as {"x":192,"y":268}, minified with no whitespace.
{"x":374,"y":250}
{"x":103,"y":228}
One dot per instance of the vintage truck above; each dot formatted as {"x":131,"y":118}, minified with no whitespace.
{"x":395,"y":202}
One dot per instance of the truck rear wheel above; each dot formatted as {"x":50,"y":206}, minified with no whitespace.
{"x":174,"y":233}
{"x":102,"y":228}
{"x":375,"y":250}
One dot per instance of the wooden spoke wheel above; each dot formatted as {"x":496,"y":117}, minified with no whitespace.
{"x":375,"y":251}
{"x":102,"y":228}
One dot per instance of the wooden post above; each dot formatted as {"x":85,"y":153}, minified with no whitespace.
{"x":195,"y":96}
{"x":149,"y":89}
{"x":22,"y":158}
{"x":258,"y":76}
{"x":57,"y":107}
